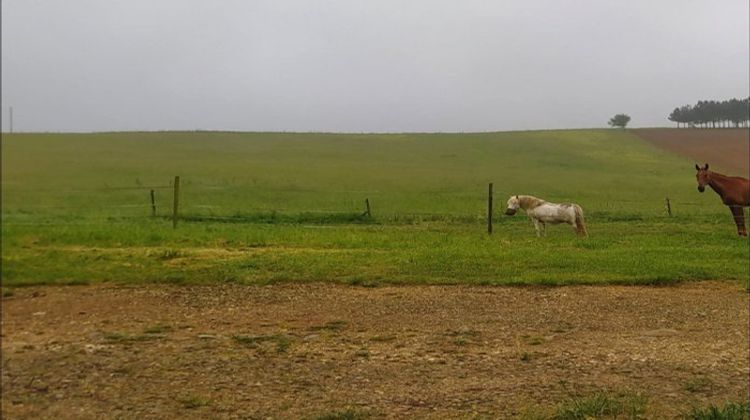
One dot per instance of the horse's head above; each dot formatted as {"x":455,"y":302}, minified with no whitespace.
{"x":702,"y":177}
{"x":513,"y":205}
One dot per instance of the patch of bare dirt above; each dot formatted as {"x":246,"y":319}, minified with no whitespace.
{"x":726,"y":149}
{"x":290,"y":351}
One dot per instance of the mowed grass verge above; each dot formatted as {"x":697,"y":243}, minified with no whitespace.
{"x":265,"y":207}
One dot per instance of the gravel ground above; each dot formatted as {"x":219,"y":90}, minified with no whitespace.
{"x":302,"y":351}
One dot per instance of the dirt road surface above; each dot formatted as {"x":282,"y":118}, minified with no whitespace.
{"x":304,"y":351}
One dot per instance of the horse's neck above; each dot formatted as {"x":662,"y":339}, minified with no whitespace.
{"x":529,"y":202}
{"x":718,"y":182}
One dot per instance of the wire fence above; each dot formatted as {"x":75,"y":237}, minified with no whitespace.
{"x":106,"y":204}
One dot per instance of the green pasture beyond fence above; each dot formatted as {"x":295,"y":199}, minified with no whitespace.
{"x":405,"y":176}
{"x":265,"y":207}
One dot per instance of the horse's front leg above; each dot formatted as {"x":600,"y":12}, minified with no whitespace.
{"x":538,"y":227}
{"x":739,"y":219}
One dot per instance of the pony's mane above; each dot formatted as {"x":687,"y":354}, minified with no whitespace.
{"x":528,"y":202}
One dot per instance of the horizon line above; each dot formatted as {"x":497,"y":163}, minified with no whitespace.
{"x":354,"y":132}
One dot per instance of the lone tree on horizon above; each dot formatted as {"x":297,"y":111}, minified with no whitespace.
{"x":619,"y":120}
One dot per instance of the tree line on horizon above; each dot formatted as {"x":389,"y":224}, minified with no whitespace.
{"x":711,"y":114}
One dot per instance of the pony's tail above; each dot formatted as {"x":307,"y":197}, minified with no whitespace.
{"x":580,"y":224}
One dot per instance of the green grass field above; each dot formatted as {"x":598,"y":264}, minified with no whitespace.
{"x":264,"y":207}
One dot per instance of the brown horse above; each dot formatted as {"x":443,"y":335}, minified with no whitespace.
{"x":733,"y":190}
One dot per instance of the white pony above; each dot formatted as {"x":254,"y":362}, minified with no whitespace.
{"x":542,"y":212}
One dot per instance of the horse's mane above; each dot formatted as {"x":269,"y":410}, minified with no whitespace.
{"x":722,"y":176}
{"x":528,"y":202}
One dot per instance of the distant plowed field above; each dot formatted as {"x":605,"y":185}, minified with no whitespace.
{"x":725,"y":149}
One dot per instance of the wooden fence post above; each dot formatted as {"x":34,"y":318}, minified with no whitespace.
{"x":176,"y":201}
{"x":489,"y":210}
{"x":153,"y":204}
{"x":367,"y":204}
{"x":669,"y":206}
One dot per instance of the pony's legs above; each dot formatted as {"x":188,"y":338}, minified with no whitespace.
{"x":739,"y":219}
{"x":538,"y":226}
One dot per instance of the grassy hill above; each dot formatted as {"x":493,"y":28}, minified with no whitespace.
{"x":265,"y":207}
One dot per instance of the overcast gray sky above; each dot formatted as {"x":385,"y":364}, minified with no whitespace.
{"x":365,"y":66}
